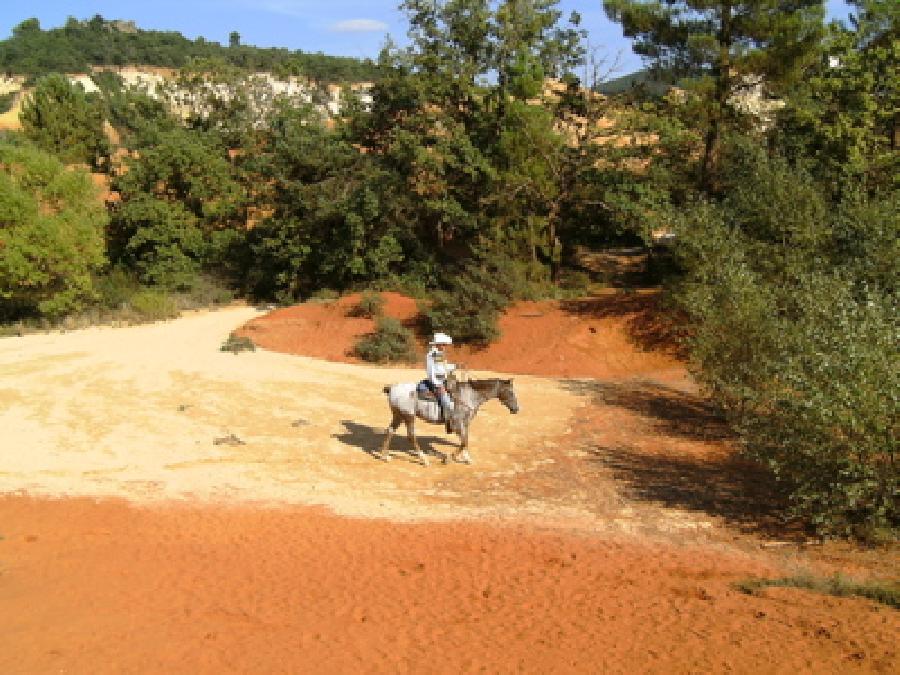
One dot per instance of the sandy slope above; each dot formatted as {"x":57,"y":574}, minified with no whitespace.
{"x":151,"y":412}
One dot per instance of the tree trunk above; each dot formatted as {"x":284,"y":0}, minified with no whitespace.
{"x":722,"y":73}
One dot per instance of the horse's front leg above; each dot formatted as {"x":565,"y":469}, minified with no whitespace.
{"x":411,"y":434}
{"x":462,"y":455}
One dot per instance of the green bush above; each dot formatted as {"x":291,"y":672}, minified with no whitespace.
{"x":390,"y":342}
{"x":370,"y":305}
{"x":161,"y":242}
{"x":153,"y":305}
{"x":479,"y":293}
{"x":827,"y":420}
{"x":115,"y":288}
{"x":794,"y":333}
{"x":61,"y":119}
{"x":6,"y":101}
{"x":51,"y":234}
{"x":235,"y":344}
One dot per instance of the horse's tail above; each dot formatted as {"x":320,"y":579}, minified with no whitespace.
{"x":387,"y":389}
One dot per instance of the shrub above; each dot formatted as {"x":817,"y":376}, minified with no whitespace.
{"x":161,"y":241}
{"x":153,"y":305}
{"x":115,"y":288}
{"x":60,"y":119}
{"x":391,"y":341}
{"x":826,"y":421}
{"x":325,"y":295}
{"x":51,"y":234}
{"x":6,"y":101}
{"x":235,"y":344}
{"x":479,"y":293}
{"x":803,"y":361}
{"x":370,"y":305}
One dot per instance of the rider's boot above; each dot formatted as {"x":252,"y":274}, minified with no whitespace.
{"x":447,"y":408}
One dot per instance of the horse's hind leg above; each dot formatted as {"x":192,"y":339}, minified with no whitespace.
{"x":386,"y":444}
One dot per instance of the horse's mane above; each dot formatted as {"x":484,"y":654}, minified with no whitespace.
{"x":482,"y":385}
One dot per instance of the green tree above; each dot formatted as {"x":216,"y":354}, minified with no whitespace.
{"x":792,"y":303}
{"x":181,"y":201}
{"x":845,"y":110}
{"x":719,"y":43}
{"x":332,"y":215}
{"x":59,"y":118}
{"x":51,"y":234}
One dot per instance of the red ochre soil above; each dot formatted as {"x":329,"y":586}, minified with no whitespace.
{"x":615,"y":335}
{"x":110,"y":587}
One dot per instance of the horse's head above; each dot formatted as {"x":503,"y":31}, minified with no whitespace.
{"x":507,"y":396}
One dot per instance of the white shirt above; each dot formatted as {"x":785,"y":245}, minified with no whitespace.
{"x":436,"y":366}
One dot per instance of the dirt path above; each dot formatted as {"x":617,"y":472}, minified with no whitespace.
{"x":168,"y":507}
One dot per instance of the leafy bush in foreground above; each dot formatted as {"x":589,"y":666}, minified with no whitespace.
{"x":51,"y":234}
{"x":795,"y":335}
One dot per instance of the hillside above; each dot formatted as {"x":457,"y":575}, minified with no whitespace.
{"x":77,"y":46}
{"x":649,"y":82}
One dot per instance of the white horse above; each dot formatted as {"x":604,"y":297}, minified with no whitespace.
{"x":406,"y":405}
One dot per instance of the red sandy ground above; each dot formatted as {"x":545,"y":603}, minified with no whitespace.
{"x":612,"y":336}
{"x":107,"y":587}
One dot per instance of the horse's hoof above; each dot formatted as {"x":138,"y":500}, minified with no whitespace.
{"x":383,"y":457}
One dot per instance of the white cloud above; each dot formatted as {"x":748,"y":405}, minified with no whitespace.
{"x":359,"y":26}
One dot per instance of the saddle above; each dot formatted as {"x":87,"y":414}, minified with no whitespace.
{"x":424,"y":392}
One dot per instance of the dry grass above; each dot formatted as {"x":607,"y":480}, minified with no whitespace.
{"x":885,"y":593}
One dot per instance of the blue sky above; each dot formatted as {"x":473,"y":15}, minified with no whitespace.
{"x":344,"y":27}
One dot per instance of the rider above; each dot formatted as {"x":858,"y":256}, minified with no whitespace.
{"x":438,"y":368}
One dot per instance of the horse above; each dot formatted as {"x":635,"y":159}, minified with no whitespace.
{"x":470,"y":395}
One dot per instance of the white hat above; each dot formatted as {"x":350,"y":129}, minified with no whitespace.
{"x":441,"y":339}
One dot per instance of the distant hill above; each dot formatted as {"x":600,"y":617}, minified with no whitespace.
{"x":79,"y":45}
{"x":652,"y":83}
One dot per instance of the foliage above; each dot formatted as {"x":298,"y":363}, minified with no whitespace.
{"x":390,"y":342}
{"x":478,"y":294}
{"x":838,"y":586}
{"x":235,"y":344}
{"x":164,"y":244}
{"x":720,"y":43}
{"x":51,"y":234}
{"x":60,"y":119}
{"x":845,"y":110}
{"x":370,"y":305}
{"x":102,"y":42}
{"x":331,"y":219}
{"x":7,"y":100}
{"x":794,"y":332}
{"x":151,"y":304}
{"x":180,"y":199}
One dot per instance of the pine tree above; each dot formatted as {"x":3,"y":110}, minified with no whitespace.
{"x":720,"y":42}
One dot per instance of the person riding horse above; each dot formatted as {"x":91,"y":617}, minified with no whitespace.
{"x":438,"y":370}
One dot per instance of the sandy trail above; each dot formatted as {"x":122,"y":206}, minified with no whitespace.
{"x":161,"y":510}
{"x":157,"y":412}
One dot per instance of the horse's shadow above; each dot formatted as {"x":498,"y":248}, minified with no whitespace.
{"x":369,"y":440}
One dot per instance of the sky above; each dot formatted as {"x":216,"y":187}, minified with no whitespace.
{"x":355,"y":28}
